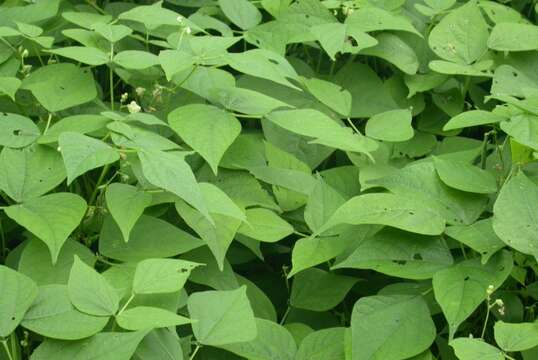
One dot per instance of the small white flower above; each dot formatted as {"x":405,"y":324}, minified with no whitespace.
{"x":179,"y":19}
{"x":124,"y":97}
{"x":140,"y":91}
{"x":133,"y":107}
{"x":499,"y":303}
{"x":188,"y":30}
{"x":490,"y":289}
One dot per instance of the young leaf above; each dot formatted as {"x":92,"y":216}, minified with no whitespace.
{"x":472,"y":118}
{"x":223,"y":317}
{"x":390,"y":327}
{"x":153,"y":276}
{"x":52,"y":218}
{"x":145,"y":317}
{"x":460,"y":289}
{"x":126,"y":204}
{"x":207,"y":129}
{"x":82,"y":153}
{"x":89,"y":291}
{"x":241,"y":12}
{"x":220,"y":203}
{"x":18,"y":293}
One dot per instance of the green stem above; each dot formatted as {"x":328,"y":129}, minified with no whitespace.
{"x":126,"y":304}
{"x":48,"y":124}
{"x":486,"y":320}
{"x":99,"y":181}
{"x":353,"y":125}
{"x":3,"y":239}
{"x":285,"y":316}
{"x":6,"y":348}
{"x":196,"y":349}
{"x":484,"y":153}
{"x":111,"y":86}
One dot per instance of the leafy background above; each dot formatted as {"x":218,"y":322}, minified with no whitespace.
{"x":268,"y":180}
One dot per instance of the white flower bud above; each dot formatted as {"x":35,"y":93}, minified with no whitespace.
{"x":140,"y":91}
{"x":490,"y":289}
{"x":188,"y":30}
{"x":124,"y":97}
{"x":499,"y":303}
{"x":133,"y":107}
{"x":25,"y":53}
{"x":179,"y":19}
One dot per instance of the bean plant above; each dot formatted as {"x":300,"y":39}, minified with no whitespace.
{"x":268,"y":180}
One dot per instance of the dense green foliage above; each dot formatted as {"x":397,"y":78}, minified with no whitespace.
{"x":268,"y":180}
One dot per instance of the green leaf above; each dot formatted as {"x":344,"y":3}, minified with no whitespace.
{"x":460,"y":289}
{"x":85,"y":19}
{"x":420,"y":181}
{"x":388,"y":209}
{"x":223,"y":317}
{"x":392,"y":48}
{"x":390,"y":327}
{"x":330,"y":94}
{"x":241,"y":12}
{"x":9,"y":86}
{"x":323,"y":344}
{"x":30,"y":172}
{"x":466,"y":177}
{"x":52,"y":218}
{"x":82,"y":153}
{"x":153,"y":276}
{"x":516,"y":337}
{"x":18,"y":293}
{"x":85,"y":55}
{"x":206,"y":129}
{"x":169,"y":171}
{"x":334,"y":38}
{"x":394,"y":125}
{"x":61,"y":86}
{"x":220,"y":203}
{"x":82,"y":124}
{"x":160,"y":344}
{"x":218,"y":235}
{"x":318,"y":290}
{"x":461,"y":36}
{"x":472,"y":118}
{"x":52,"y":315}
{"x":135,"y":59}
{"x":112,"y":33}
{"x":523,"y":128}
{"x":370,"y":18}
{"x":323,"y":201}
{"x":471,"y":349}
{"x":174,"y":62}
{"x":265,"y":225}
{"x":479,"y":236}
{"x":401,"y":254}
{"x":150,"y":238}
{"x":17,"y":131}
{"x":508,"y":36}
{"x":514,"y":219}
{"x":145,"y":317}
{"x":152,"y":16}
{"x":100,"y":346}
{"x":322,"y":128}
{"x":126,"y":204}
{"x":273,"y":342}
{"x":264,"y":64}
{"x":89,"y":291}
{"x":35,"y":261}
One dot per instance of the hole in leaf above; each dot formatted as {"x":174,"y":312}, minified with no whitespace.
{"x":417,"y":256}
{"x":466,"y":278}
{"x":399,"y":262}
{"x":16,"y":132}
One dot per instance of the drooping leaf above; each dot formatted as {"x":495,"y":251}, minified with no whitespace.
{"x":161,"y":275}
{"x":52,"y":218}
{"x":465,"y":177}
{"x":265,"y":225}
{"x":126,"y":204}
{"x":516,"y":337}
{"x":241,"y":12}
{"x":145,"y":317}
{"x":507,"y":36}
{"x":470,"y":349}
